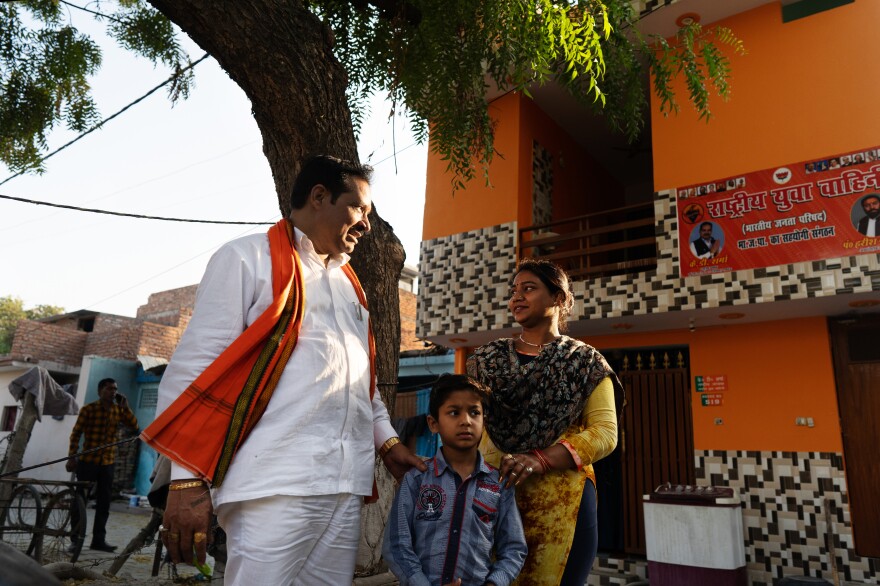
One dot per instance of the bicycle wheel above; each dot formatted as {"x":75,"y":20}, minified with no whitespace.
{"x":23,"y":518}
{"x":63,"y":528}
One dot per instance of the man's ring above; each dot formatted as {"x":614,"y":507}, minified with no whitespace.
{"x":199,"y":537}
{"x":529,"y":469}
{"x":162,"y":528}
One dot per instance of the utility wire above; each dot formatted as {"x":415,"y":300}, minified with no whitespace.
{"x":168,"y":270}
{"x":163,"y":218}
{"x":127,"y":215}
{"x":66,"y":458}
{"x":109,"y":118}
{"x":394,"y":156}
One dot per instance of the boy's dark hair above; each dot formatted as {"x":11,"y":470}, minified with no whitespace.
{"x":334,"y":174}
{"x":448,"y":384}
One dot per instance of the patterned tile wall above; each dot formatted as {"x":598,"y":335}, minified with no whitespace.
{"x":463,"y":281}
{"x":542,"y":184}
{"x":784,"y":497}
{"x":474,"y":264}
{"x":644,"y":7}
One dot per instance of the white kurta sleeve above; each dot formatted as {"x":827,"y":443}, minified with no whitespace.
{"x":224,"y":302}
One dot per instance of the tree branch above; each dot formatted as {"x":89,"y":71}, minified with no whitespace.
{"x":388,"y":9}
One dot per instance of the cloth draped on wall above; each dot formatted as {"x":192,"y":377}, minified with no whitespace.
{"x":50,"y":397}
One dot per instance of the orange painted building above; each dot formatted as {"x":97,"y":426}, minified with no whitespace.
{"x":791,"y":330}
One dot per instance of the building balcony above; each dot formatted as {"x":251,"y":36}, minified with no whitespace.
{"x":611,"y":242}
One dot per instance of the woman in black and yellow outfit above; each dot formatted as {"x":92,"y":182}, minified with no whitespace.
{"x":552,"y":414}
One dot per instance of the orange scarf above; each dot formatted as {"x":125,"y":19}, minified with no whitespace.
{"x":206,"y":425}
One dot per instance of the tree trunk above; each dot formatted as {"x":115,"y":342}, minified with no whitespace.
{"x":280,"y":54}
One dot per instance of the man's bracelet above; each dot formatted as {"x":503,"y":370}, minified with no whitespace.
{"x":386,"y":447}
{"x":186,"y":484}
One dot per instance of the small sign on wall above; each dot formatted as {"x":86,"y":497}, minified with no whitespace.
{"x":711,"y":399}
{"x":716,"y":383}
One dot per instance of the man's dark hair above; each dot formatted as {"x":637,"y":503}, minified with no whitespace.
{"x":334,"y":174}
{"x":710,"y":224}
{"x":105,"y":382}
{"x":450,"y":383}
{"x":870,"y":196}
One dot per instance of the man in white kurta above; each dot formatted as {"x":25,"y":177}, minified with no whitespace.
{"x":290,"y":501}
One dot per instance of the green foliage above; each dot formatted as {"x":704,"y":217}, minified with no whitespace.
{"x":699,"y":60}
{"x":45,"y":64}
{"x":437,"y":60}
{"x":12,"y":311}
{"x":440,"y":59}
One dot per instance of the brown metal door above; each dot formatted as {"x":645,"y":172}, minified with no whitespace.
{"x":856,"y":348}
{"x":658,"y":442}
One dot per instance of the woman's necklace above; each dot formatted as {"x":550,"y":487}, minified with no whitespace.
{"x":538,"y":346}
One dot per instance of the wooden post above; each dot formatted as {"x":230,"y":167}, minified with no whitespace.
{"x":18,"y":445}
{"x":136,"y":544}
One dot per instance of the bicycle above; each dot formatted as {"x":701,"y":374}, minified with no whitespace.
{"x":48,"y":533}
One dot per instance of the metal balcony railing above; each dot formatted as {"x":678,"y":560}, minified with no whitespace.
{"x":611,"y":242}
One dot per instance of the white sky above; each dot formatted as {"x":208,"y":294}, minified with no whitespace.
{"x":201,"y":159}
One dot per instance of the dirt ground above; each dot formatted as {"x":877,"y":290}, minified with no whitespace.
{"x":124,"y":524}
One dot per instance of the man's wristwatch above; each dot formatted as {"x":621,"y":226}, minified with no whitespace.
{"x":386,"y":447}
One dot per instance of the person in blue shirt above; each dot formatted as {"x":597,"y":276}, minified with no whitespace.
{"x":454,"y":524}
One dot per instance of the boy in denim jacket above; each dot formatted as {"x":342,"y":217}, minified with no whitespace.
{"x":454,"y":524}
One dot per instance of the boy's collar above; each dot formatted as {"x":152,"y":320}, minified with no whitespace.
{"x":441,"y":465}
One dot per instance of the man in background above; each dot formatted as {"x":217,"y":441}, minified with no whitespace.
{"x":99,"y":423}
{"x":869,"y":225}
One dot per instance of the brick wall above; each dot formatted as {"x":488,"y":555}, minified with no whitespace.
{"x":155,"y":331}
{"x":170,"y":307}
{"x":68,"y":323}
{"x":124,"y":338}
{"x":408,"y":340}
{"x":49,"y":342}
{"x":114,"y":336}
{"x":158,"y":340}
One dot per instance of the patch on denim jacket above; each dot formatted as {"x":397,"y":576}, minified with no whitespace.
{"x":430,"y":503}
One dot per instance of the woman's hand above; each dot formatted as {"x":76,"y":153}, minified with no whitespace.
{"x":517,"y":467}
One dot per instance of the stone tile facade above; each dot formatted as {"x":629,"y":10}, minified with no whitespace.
{"x":473,"y":267}
{"x":785,"y":496}
{"x":542,"y":185}
{"x":463,"y":281}
{"x":464,"y":290}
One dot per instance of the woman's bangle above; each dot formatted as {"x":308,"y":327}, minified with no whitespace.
{"x":542,"y":459}
{"x":177,"y":485}
{"x":578,"y":463}
{"x":386,"y":447}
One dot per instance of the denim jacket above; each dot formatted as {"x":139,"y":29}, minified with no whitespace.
{"x":442,"y":527}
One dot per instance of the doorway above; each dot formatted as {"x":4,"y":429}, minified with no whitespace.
{"x":855,"y":344}
{"x":655,"y":446}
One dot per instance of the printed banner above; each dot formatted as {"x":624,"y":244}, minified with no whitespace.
{"x":812,"y":210}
